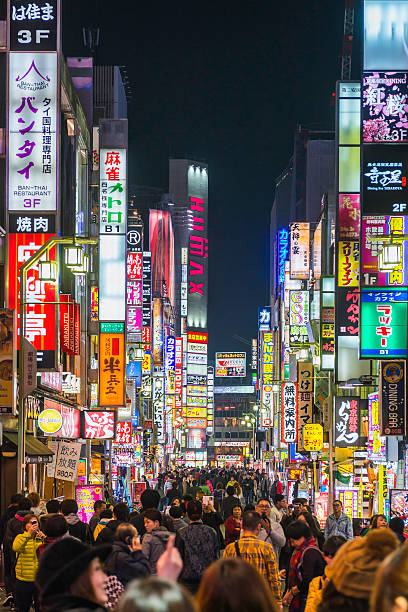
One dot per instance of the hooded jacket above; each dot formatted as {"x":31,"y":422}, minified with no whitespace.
{"x":101,"y":525}
{"x":25,"y":546}
{"x":154,"y":544}
{"x":127,"y":565}
{"x":14,"y":527}
{"x":77,"y":529}
{"x":107,"y":534}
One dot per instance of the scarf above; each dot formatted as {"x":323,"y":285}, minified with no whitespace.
{"x":294,"y":571}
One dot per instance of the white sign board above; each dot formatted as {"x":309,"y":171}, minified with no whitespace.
{"x":66,"y":467}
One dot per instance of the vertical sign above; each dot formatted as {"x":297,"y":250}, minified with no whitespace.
{"x":376,"y":443}
{"x":305,"y":390}
{"x":282,"y":254}
{"x":197,"y":264}
{"x":346,"y":422}
{"x":299,"y":250}
{"x":289,"y":412}
{"x":111,"y":364}
{"x":158,"y":332}
{"x":170,"y":365}
{"x":7,"y":361}
{"x":298,"y":316}
{"x":178,"y":405}
{"x":392,"y":383}
{"x":158,"y":406}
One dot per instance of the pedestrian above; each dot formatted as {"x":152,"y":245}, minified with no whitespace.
{"x":271,"y":531}
{"x":231,"y":585}
{"x":257,"y":553}
{"x":77,"y":528}
{"x":55,"y":527}
{"x":25,"y":546}
{"x":53,"y":506}
{"x":70,"y":577}
{"x":214,"y":519}
{"x":390,"y":593}
{"x":352,"y":575}
{"x":127,"y":561}
{"x":10,"y":513}
{"x":306,"y":563}
{"x":35,"y":503}
{"x":397,"y":525}
{"x":155,"y":539}
{"x":105,"y":517}
{"x":314,"y":596}
{"x":155,"y":595}
{"x":338,"y":523}
{"x":149,"y":499}
{"x":13,"y":528}
{"x":378,"y":521}
{"x":248,"y":489}
{"x":277,"y":487}
{"x":120,"y":515}
{"x":278,"y":508}
{"x":317,"y":533}
{"x":173,"y":493}
{"x":229,"y":502}
{"x":98,"y":506}
{"x":233,"y":525}
{"x":198,"y":547}
{"x":176,"y":514}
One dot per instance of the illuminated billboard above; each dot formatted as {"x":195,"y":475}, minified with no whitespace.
{"x":348,"y":263}
{"x":161,"y":241}
{"x":385,"y":27}
{"x":384,"y":323}
{"x":375,"y":227}
{"x":299,"y":250}
{"x":230,"y":365}
{"x":111,"y":364}
{"x":298,"y":316}
{"x":384,"y":180}
{"x":385,"y":96}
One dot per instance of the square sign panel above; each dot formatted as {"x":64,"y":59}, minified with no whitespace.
{"x":384,"y":174}
{"x":384,"y":323}
{"x":385,"y":107}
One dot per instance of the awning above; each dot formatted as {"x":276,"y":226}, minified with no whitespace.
{"x":36,"y":451}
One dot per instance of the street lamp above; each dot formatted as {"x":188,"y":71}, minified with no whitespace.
{"x":255,"y":408}
{"x":48,"y":271}
{"x":389,"y":257}
{"x":74,"y":256}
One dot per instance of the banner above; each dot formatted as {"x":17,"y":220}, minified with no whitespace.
{"x":348,"y":264}
{"x":86,"y":496}
{"x":299,"y":250}
{"x":289,"y":412}
{"x":392,"y":398}
{"x":111,"y":365}
{"x":346,"y":422}
{"x":305,"y":390}
{"x":66,"y":466}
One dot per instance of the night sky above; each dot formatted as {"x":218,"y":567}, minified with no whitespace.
{"x":226,"y":82}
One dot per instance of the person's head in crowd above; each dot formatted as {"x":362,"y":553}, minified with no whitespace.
{"x":155,"y":595}
{"x":297,"y":506}
{"x":249,"y":507}
{"x":279,"y":501}
{"x":237,"y":512}
{"x":194,"y":510}
{"x":337,"y":508}
{"x":106,"y":514}
{"x":126,"y":533}
{"x":231,"y":585}
{"x":263,"y":506}
{"x":199,"y":496}
{"x":352,"y":574}
{"x":152,"y":519}
{"x":30,"y":523}
{"x":307,"y":518}
{"x":98,"y":506}
{"x":24,"y":504}
{"x":219,"y":486}
{"x":251,"y":521}
{"x":68,"y":570}
{"x":53,"y":506}
{"x":397,"y":525}
{"x":331,"y":546}
{"x":35,"y":499}
{"x":297,"y":532}
{"x":194,"y":483}
{"x":121,"y":512}
{"x":230,"y":490}
{"x":184,"y":501}
{"x":175,"y":511}
{"x":68,"y":506}
{"x":379,"y":521}
{"x":55,"y":525}
{"x":150,"y":499}
{"x":15,"y":499}
{"x":176,"y":501}
{"x":390,"y":593}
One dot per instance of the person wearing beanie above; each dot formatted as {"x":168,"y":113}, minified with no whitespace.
{"x":352,"y":575}
{"x":198,"y":547}
{"x":70,"y":577}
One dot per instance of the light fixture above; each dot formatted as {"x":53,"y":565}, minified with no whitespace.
{"x":82,"y":269}
{"x":255,"y":408}
{"x":48,"y":271}
{"x":389,"y":257}
{"x":247,"y":417}
{"x":242,"y":422}
{"x":275,"y":387}
{"x":74,"y":256}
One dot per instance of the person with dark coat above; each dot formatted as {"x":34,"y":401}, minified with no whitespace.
{"x":155,"y":540}
{"x":229,"y":502}
{"x":77,"y":528}
{"x":13,"y":528}
{"x":120,"y":515}
{"x":70,"y":577}
{"x":10,"y":513}
{"x":214,"y":519}
{"x":127,"y":560}
{"x":150,"y":498}
{"x":99,"y":505}
{"x":176,"y":514}
{"x":55,"y":527}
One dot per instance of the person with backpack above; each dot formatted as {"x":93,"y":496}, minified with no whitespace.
{"x":127,"y":560}
{"x":120,"y":515}
{"x":156,"y":536}
{"x":306,"y":563}
{"x":77,"y":528}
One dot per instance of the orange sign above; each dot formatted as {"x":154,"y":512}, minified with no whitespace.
{"x":111,"y":369}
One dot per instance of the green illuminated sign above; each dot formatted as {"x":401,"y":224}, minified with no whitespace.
{"x":384,"y":323}
{"x":112,"y":328}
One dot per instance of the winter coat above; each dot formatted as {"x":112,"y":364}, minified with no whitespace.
{"x":198,"y":547}
{"x":101,"y":525}
{"x":228,"y":504}
{"x":25,"y":547}
{"x":232,"y":530}
{"x":69,"y":603}
{"x":178,"y":523}
{"x":126,"y":565}
{"x":14,"y":527}
{"x":137,"y":521}
{"x":93,"y":521}
{"x":214,"y":520}
{"x":315,"y":593}
{"x":9,"y":514}
{"x":106,"y":535}
{"x":154,"y":544}
{"x":77,"y":529}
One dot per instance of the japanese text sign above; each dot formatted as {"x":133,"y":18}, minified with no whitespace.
{"x":384,"y":323}
{"x":66,"y":466}
{"x":112,"y":369}
{"x":32,"y":153}
{"x":113,"y":192}
{"x":376,"y":443}
{"x":268,"y":357}
{"x":392,"y":398}
{"x":98,"y":424}
{"x":346,"y":422}
{"x":384,"y":108}
{"x":347,"y":311}
{"x":34,"y":26}
{"x":299,"y":250}
{"x":349,"y":216}
{"x":289,"y":412}
{"x":264,"y":318}
{"x":298,"y":316}
{"x":375,"y":227}
{"x":305,"y":393}
{"x":348,"y":263}
{"x":123,"y":432}
{"x":197,"y":263}
{"x":7,"y":361}
{"x":230,"y":364}
{"x":86,"y":496}
{"x":312,"y":437}
{"x":282,"y":255}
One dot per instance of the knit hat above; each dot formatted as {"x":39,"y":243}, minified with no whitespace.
{"x":194,"y":510}
{"x":355,"y":565}
{"x":63,"y":562}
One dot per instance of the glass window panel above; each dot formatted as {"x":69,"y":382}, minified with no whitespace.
{"x":349,"y":169}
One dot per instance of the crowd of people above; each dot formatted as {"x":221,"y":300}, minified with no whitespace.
{"x":202,"y":541}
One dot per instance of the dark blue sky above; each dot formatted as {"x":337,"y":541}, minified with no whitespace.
{"x":227,"y":82}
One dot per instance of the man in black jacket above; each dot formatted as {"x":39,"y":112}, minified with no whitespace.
{"x":120,"y":515}
{"x":127,"y":561}
{"x":77,"y":528}
{"x":149,"y":499}
{"x":229,"y":502}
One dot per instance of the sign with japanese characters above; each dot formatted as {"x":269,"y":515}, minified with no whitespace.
{"x":346,"y":422}
{"x":264,"y":318}
{"x":197,"y":252}
{"x":123,"y":432}
{"x":376,"y":442}
{"x":113,"y":192}
{"x":299,"y":250}
{"x":348,"y":263}
{"x":384,"y":107}
{"x":158,"y":407}
{"x":282,"y":256}
{"x":383,"y":329}
{"x":86,"y":496}
{"x":268,"y":366}
{"x":230,"y":365}
{"x":327,"y":331}
{"x":267,"y":406}
{"x":28,"y":223}
{"x":349,"y":216}
{"x":98,"y":424}
{"x":298,"y":316}
{"x":34,"y":26}
{"x":170,"y":365}
{"x":147,"y":289}
{"x":374,"y":227}
{"x":347,"y":311}
{"x":289,"y":412}
{"x":67,"y":425}
{"x":305,"y":393}
{"x":384,"y":180}
{"x":39,"y":320}
{"x":33,"y":116}
{"x":392,"y":391}
{"x":312,"y":437}
{"x":134,"y":236}
{"x":66,"y":466}
{"x":111,"y":369}
{"x":134,"y":266}
{"x":7,"y":361}
{"x":158,"y":333}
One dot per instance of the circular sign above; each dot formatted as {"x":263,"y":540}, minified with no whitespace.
{"x":50,"y":421}
{"x":393,"y":372}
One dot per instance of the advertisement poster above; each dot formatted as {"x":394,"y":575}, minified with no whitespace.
{"x":385,"y":106}
{"x":86,"y":496}
{"x":384,"y":323}
{"x":7,"y":364}
{"x":376,"y":443}
{"x":348,"y":263}
{"x":346,"y":422}
{"x":299,"y":250}
{"x":112,"y":365}
{"x":298,"y":316}
{"x":384,"y":184}
{"x":289,"y":412}
{"x":230,"y":365}
{"x":376,"y":226}
{"x":392,"y":382}
{"x":349,"y":499}
{"x":137,"y":490}
{"x":66,"y":466}
{"x":99,"y":424}
{"x":321,"y":508}
{"x":349,"y":216}
{"x":399,"y":504}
